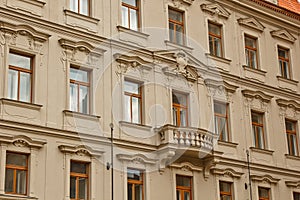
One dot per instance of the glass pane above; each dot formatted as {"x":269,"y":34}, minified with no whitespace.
{"x":171,"y":32}
{"x":179,"y":99}
{"x":263,"y":192}
{"x":215,"y":29}
{"x":125,"y":17}
{"x":16,"y":159}
{"x":84,"y":7}
{"x":250,"y":42}
{"x":175,"y":15}
{"x":9,"y":180}
{"x":79,"y":75}
{"x":178,"y":195}
{"x":72,"y":187}
{"x":133,"y":19}
{"x":138,"y":192}
{"x":257,"y":118}
{"x":84,"y":99}
{"x":129,"y":191}
{"x":73,"y":97}
{"x":78,"y":167}
{"x":130,"y":2}
{"x":183,"y":181}
{"x":260,"y":137}
{"x":175,"y":117}
{"x":127,"y":109}
{"x":21,"y":182}
{"x":294,"y":145}
{"x":225,"y":187}
{"x":12,"y":84}
{"x":183,"y":116}
{"x":179,"y":34}
{"x":282,"y":53}
{"x":223,"y":127}
{"x":253,"y":59}
{"x":133,"y":174}
{"x":211,"y":45}
{"x":74,"y":5}
{"x":19,"y":61}
{"x":296,"y":196}
{"x":136,"y":112}
{"x":82,"y":188}
{"x":217,"y":47}
{"x":220,"y":108}
{"x":131,"y":87}
{"x":186,"y":195}
{"x":25,"y":87}
{"x":286,"y":72}
{"x":289,"y":125}
{"x":225,"y":197}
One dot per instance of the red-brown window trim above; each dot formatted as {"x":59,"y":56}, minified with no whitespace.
{"x":258,"y":125}
{"x":223,"y":193}
{"x":183,"y":189}
{"x":287,"y":60}
{"x":225,"y":117}
{"x":252,"y":49}
{"x":290,"y":132}
{"x":88,"y":6}
{"x":262,"y":198}
{"x":131,"y":7}
{"x":81,"y":175}
{"x":180,"y":106}
{"x":220,"y":37}
{"x":137,"y":182}
{"x":177,"y":23}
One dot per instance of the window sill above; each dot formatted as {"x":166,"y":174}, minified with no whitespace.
{"x":287,"y":83}
{"x":15,"y":197}
{"x":132,"y":36}
{"x":81,"y":21}
{"x":217,"y":58}
{"x":132,"y":32}
{"x":129,"y":124}
{"x":227,"y":143}
{"x":81,"y":115}
{"x":256,"y":71}
{"x":255,"y":74}
{"x":173,"y":45}
{"x":34,"y":7}
{"x":263,"y":151}
{"x":290,"y":81}
{"x":21,"y":104}
{"x":292,"y":157}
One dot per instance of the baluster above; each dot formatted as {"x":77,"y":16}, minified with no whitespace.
{"x":193,"y":143}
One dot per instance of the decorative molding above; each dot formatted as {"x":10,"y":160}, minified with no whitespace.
{"x":293,"y":184}
{"x":80,"y":150}
{"x":21,"y":104}
{"x":215,"y":9}
{"x":251,"y":22}
{"x":165,"y":156}
{"x":81,"y":115}
{"x":186,"y":166}
{"x":140,"y":158}
{"x":257,"y":95}
{"x":227,"y":172}
{"x":288,"y":104}
{"x":283,"y":34}
{"x":265,"y":178}
{"x":22,"y":141}
{"x":188,"y":2}
{"x":220,"y":84}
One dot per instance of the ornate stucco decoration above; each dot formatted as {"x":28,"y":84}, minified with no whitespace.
{"x":186,"y":166}
{"x":22,"y":141}
{"x":137,"y":158}
{"x":257,"y":95}
{"x":288,"y":108}
{"x":256,"y":100}
{"x":265,"y":178}
{"x":251,"y":22}
{"x":220,"y":89}
{"x":215,"y":9}
{"x":293,"y":184}
{"x":284,"y":35}
{"x":227,"y":172}
{"x":188,"y":2}
{"x":80,"y":150}
{"x":165,"y":156}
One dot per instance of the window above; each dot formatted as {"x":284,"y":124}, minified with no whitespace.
{"x":263,"y":193}
{"x":215,"y":39}
{"x":19,"y":77}
{"x":133,"y":102}
{"x":16,"y":173}
{"x":176,"y":26}
{"x":180,"y":108}
{"x":183,"y":188}
{"x":284,"y":62}
{"x":225,"y":190}
{"x":135,"y":188}
{"x":251,"y":52}
{"x":221,"y":120}
{"x":296,"y":196}
{"x":130,"y":14}
{"x":291,"y":135}
{"x":258,"y":129}
{"x":80,"y":6}
{"x":79,"y":90}
{"x":79,"y":180}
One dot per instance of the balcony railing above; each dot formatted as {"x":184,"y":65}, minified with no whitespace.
{"x":186,"y":137}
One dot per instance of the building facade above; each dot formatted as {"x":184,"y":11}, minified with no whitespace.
{"x":202,"y":98}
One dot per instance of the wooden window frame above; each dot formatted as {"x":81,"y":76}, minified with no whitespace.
{"x":295,"y":193}
{"x":220,"y":37}
{"x":287,"y":60}
{"x":80,"y":83}
{"x":178,"y":107}
{"x":136,"y":8}
{"x":258,"y":125}
{"x":89,"y":7}
{"x":251,"y":49}
{"x":175,"y":24}
{"x":183,"y":189}
{"x":80,"y":175}
{"x":290,"y":132}
{"x":136,"y":182}
{"x":16,"y":168}
{"x":19,"y":70}
{"x":138,"y":96}
{"x":263,"y":198}
{"x":223,"y":193}
{"x":218,"y":116}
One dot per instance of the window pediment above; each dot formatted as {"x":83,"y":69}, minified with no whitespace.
{"x":284,"y":35}
{"x":227,"y":172}
{"x":22,"y":141}
{"x":293,"y":184}
{"x":220,"y":85}
{"x":80,"y":150}
{"x":251,"y":22}
{"x":257,"y":95}
{"x":288,"y":104}
{"x":186,"y":166}
{"x":80,"y":46}
{"x":215,"y":9}
{"x":265,"y":178}
{"x":139,"y":158}
{"x":188,"y":2}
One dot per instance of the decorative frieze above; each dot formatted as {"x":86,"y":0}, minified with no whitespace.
{"x":215,"y":9}
{"x":251,"y":22}
{"x":284,"y":35}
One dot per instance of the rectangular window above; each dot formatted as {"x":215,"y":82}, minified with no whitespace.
{"x":79,"y":90}
{"x":16,"y":173}
{"x":19,"y":77}
{"x":180,"y":109}
{"x":176,"y":26}
{"x":263,"y":193}
{"x":296,"y":196}
{"x":80,"y":6}
{"x":225,"y":190}
{"x":291,"y":135}
{"x":183,"y":188}
{"x":221,"y":120}
{"x":284,"y":62}
{"x":130,"y":14}
{"x":251,"y":52}
{"x":215,"y":39}
{"x":79,"y":180}
{"x":258,"y":129}
{"x":133,"y":102}
{"x":135,"y":181}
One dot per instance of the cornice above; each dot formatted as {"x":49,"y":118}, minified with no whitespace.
{"x":288,"y":103}
{"x":22,"y":141}
{"x":80,"y":150}
{"x":228,"y":171}
{"x":137,"y":157}
{"x":220,"y":84}
{"x":251,"y":22}
{"x":284,"y":35}
{"x":186,"y":166}
{"x":266,"y":178}
{"x":215,"y":9}
{"x":292,"y":184}
{"x":257,"y":95}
